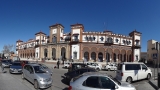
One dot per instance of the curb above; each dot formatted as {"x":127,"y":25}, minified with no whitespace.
{"x":153,"y":85}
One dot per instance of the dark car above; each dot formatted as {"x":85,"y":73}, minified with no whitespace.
{"x":5,"y":63}
{"x":77,"y":72}
{"x":76,"y":66}
{"x":16,"y":67}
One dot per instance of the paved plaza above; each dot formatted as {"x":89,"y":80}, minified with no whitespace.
{"x":14,"y":81}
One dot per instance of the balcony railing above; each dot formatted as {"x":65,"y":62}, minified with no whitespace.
{"x":137,"y":46}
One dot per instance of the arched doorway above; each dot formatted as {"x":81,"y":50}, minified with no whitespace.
{"x":45,"y":53}
{"x":86,"y":56}
{"x":114,"y":57}
{"x":63,"y":53}
{"x":53,"y":53}
{"x":108,"y":57}
{"x":93,"y":56}
{"x":130,"y":58}
{"x":100,"y":57}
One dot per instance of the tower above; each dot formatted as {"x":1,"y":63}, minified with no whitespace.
{"x":136,"y":45}
{"x":76,"y":38}
{"x":56,"y":33}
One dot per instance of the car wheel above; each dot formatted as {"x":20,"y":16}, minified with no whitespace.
{"x":36,"y":85}
{"x":148,"y":76}
{"x":129,"y":80}
{"x":98,"y":69}
{"x":109,"y":69}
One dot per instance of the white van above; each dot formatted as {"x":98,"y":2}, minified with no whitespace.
{"x":132,"y":71}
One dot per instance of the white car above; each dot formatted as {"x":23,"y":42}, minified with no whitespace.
{"x":110,"y":67}
{"x":98,"y":81}
{"x":67,"y":64}
{"x":133,"y":71}
{"x":96,"y":66}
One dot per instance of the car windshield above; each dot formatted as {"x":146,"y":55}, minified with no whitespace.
{"x":16,"y":64}
{"x":115,"y":80}
{"x":44,"y":66}
{"x":38,"y":69}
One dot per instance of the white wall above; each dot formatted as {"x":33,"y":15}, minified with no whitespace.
{"x":75,"y":48}
{"x":136,"y":52}
{"x":138,"y":38}
{"x":37,"y":51}
{"x":76,"y":31}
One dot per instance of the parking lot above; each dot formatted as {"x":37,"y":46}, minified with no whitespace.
{"x":58,"y":80}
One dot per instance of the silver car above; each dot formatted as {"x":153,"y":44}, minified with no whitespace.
{"x":36,"y":75}
{"x":98,"y":81}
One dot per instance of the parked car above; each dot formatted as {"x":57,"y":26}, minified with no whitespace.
{"x":5,"y":63}
{"x":132,"y":71}
{"x":110,"y":67}
{"x":47,"y":69}
{"x":16,"y":67}
{"x":96,"y":66}
{"x":67,"y":64}
{"x":76,"y":66}
{"x":98,"y":81}
{"x":72,"y":74}
{"x":37,"y":75}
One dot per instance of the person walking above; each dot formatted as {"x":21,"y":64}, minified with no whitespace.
{"x":58,"y":64}
{"x":2,"y":68}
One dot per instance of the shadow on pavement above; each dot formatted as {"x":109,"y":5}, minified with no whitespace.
{"x":153,"y":85}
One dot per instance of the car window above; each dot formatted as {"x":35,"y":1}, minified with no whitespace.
{"x":38,"y":69}
{"x":143,"y":67}
{"x":30,"y":69}
{"x":26,"y":67}
{"x":107,"y":83}
{"x":44,"y":66}
{"x":16,"y":64}
{"x":92,"y":81}
{"x":132,"y":67}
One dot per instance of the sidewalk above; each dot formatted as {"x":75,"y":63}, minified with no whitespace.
{"x":7,"y":82}
{"x":153,"y":83}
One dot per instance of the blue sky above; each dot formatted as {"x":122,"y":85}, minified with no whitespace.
{"x":21,"y":19}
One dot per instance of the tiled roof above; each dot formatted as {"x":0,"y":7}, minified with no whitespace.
{"x":40,"y":33}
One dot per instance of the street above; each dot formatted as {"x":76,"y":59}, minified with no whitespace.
{"x":58,"y":81}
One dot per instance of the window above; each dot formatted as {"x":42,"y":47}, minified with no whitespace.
{"x":132,"y":67}
{"x":92,"y":82}
{"x":75,"y":55}
{"x":86,"y":38}
{"x":117,"y":40}
{"x":137,"y":42}
{"x":124,"y":41}
{"x":102,"y":38}
{"x":94,"y":38}
{"x":107,"y":83}
{"x":143,"y":67}
{"x":129,"y":42}
{"x":90,"y":38}
{"x":54,"y":39}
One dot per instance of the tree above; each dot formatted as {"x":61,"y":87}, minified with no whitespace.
{"x":8,"y":48}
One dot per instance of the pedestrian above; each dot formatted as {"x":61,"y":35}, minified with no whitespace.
{"x":58,"y":64}
{"x":2,"y":68}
